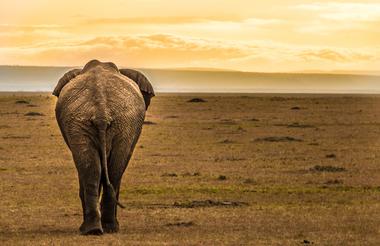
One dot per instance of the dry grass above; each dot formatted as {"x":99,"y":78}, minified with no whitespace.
{"x":173,"y":188}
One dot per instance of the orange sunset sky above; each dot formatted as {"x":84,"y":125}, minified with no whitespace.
{"x":268,"y":36}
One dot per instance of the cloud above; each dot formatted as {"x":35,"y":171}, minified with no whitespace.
{"x":29,"y":28}
{"x":157,"y":20}
{"x":12,"y":35}
{"x":335,"y":56}
{"x":166,"y":50}
{"x":344,"y":11}
{"x":27,"y":40}
{"x":227,"y":21}
{"x":334,"y":19}
{"x":144,"y":50}
{"x":324,"y":54}
{"x":168,"y":44}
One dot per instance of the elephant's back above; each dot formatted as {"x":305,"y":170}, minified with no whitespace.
{"x":100,"y":93}
{"x":126,"y":108}
{"x":124,"y":99}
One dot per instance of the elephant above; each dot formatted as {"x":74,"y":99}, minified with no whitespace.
{"x":143,"y":83}
{"x":100,"y":113}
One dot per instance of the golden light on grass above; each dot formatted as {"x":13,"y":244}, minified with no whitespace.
{"x":233,"y":170}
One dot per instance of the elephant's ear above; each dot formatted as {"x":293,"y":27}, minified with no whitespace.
{"x":64,"y":80}
{"x":145,"y":86}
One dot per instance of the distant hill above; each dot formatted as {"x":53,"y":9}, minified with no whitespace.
{"x":355,"y":72}
{"x":209,"y":69}
{"x":24,"y":78}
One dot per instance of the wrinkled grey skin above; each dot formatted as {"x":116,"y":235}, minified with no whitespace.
{"x":143,"y":83}
{"x":100,"y":113}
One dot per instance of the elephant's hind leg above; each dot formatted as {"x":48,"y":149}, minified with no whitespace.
{"x":118,"y":162}
{"x":87,"y":162}
{"x":108,"y":206}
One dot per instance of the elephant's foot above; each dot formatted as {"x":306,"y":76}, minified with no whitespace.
{"x":91,"y":229}
{"x":112,"y":227}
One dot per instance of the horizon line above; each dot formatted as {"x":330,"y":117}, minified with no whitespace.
{"x":211,"y":69}
{"x":295,"y":92}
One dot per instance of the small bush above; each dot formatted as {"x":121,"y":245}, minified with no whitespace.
{"x":249,"y":181}
{"x":22,"y":102}
{"x":147,"y":122}
{"x":228,"y":122}
{"x":222,"y":177}
{"x":34,"y":114}
{"x":185,"y":224}
{"x":241,"y":129}
{"x":169,"y":175}
{"x":191,"y":174}
{"x":319,"y":168}
{"x":278,"y":139}
{"x":197,"y":100}
{"x":334,"y":182}
{"x":253,"y":119}
{"x":297,"y":125}
{"x":226,"y":141}
{"x":208,"y":203}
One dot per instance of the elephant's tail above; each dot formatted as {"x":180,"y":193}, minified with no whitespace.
{"x":107,"y":185}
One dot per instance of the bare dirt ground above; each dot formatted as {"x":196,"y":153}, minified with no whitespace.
{"x":233,"y":170}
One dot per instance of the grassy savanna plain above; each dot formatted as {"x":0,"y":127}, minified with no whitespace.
{"x":254,"y":169}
